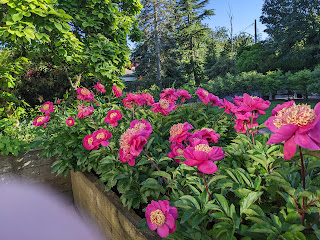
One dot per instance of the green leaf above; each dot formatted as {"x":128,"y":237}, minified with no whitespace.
{"x":222,"y":201}
{"x":17,"y":17}
{"x":191,"y":200}
{"x":29,"y":32}
{"x":100,"y":15}
{"x":162,"y":174}
{"x":58,"y":26}
{"x":3,"y":1}
{"x":186,"y":215}
{"x":247,"y":201}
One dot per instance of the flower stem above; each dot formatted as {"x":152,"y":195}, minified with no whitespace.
{"x":219,"y":118}
{"x":155,"y":166}
{"x":205,"y":183}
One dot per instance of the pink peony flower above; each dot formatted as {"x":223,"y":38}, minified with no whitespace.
{"x":184,"y":94}
{"x":203,"y":95}
{"x":163,"y":106}
{"x":237,"y":101}
{"x":180,"y":132}
{"x":214,"y":100}
{"x":100,"y":137}
{"x":47,"y":108}
{"x":88,"y":143}
{"x":85,"y":94}
{"x":41,"y":120}
{"x":244,"y":122}
{"x":250,"y":104}
{"x":99,"y":87}
{"x":84,"y":111}
{"x":117,"y":91}
{"x":148,"y":98}
{"x":113,"y":117}
{"x":133,"y":99}
{"x":207,"y":133}
{"x":162,"y":217}
{"x":228,"y":106}
{"x":295,"y":125}
{"x":70,"y":121}
{"x":133,"y":140}
{"x":281,"y":106}
{"x":203,"y":156}
{"x":176,"y":150}
{"x":169,"y":94}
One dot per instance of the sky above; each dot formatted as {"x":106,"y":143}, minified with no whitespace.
{"x":244,"y":13}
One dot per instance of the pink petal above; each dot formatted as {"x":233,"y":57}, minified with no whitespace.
{"x":305,"y":141}
{"x":283,"y":134}
{"x":208,"y":167}
{"x":269,"y":124}
{"x":201,"y":156}
{"x":163,"y":230}
{"x":105,"y":143}
{"x":317,"y":109}
{"x":151,"y":225}
{"x":170,"y":221}
{"x":315,"y":133}
{"x":174,"y":212}
{"x":289,"y":149}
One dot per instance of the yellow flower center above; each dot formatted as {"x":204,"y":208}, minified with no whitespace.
{"x":70,"y":121}
{"x":299,"y":115}
{"x":139,"y":126}
{"x":85,"y":91}
{"x":90,"y":140}
{"x":208,"y":129}
{"x":113,"y":115}
{"x":164,"y":104}
{"x":180,"y":151}
{"x":157,"y":217}
{"x":40,"y":119}
{"x":206,"y":92}
{"x":46,"y":107}
{"x":100,"y":136}
{"x":125,"y":137}
{"x":203,"y":148}
{"x":176,"y":129}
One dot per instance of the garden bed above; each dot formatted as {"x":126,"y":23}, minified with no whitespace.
{"x":106,"y":208}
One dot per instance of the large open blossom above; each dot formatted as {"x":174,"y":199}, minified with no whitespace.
{"x":47,"y":108}
{"x":88,"y":142}
{"x":228,"y":106}
{"x":169,"y":94}
{"x":214,"y":100}
{"x":179,"y":132}
{"x":162,"y":217}
{"x":295,"y":125}
{"x":99,"y":87}
{"x":148,"y":98}
{"x":245,"y":121}
{"x":281,"y":106}
{"x":184,"y":94}
{"x":164,"y":106}
{"x":203,"y":95}
{"x":208,"y":134}
{"x":85,"y":94}
{"x":133,"y":140}
{"x":70,"y":121}
{"x":250,"y":104}
{"x":117,"y":91}
{"x":113,"y":117}
{"x":100,"y":137}
{"x":41,"y":120}
{"x":237,"y":100}
{"x":176,"y":150}
{"x":84,"y":111}
{"x":133,"y":99}
{"x":203,"y":156}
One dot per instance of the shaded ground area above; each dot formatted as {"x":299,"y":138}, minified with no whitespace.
{"x":29,"y":166}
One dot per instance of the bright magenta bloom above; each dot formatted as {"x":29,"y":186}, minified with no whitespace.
{"x":84,"y":111}
{"x":203,"y":95}
{"x":161,"y":216}
{"x":133,"y":99}
{"x":41,"y":120}
{"x":176,"y":150}
{"x":250,"y":104}
{"x":88,"y":143}
{"x":133,"y":140}
{"x":70,"y":121}
{"x":208,"y":134}
{"x":100,"y":137}
{"x":203,"y":156}
{"x":179,"y":132}
{"x":184,"y":94}
{"x":281,"y":106}
{"x":164,"y":106}
{"x":214,"y":100}
{"x":228,"y":106}
{"x":85,"y":94}
{"x":238,"y":101}
{"x":148,"y":98}
{"x":58,"y":101}
{"x":169,"y":94}
{"x":113,"y":117}
{"x":47,"y":108}
{"x":117,"y":91}
{"x":99,"y":87}
{"x":295,"y":125}
{"x":244,"y":122}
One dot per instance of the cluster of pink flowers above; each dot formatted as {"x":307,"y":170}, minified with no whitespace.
{"x":137,"y":99}
{"x":207,"y":97}
{"x":47,"y":109}
{"x":84,"y":111}
{"x":168,"y":98}
{"x":162,"y":217}
{"x":197,"y":152}
{"x":295,"y":125}
{"x":85,"y":94}
{"x":99,"y":87}
{"x":113,"y":117}
{"x":133,"y":140}
{"x":92,"y":141}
